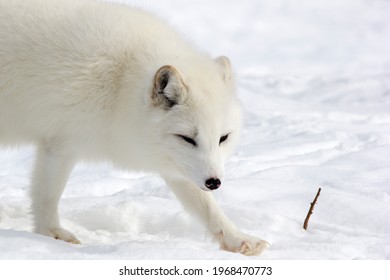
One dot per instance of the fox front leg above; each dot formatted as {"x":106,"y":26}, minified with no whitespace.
{"x":203,"y":205}
{"x":51,"y":172}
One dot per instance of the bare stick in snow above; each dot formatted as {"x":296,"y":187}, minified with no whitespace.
{"x":311,"y":209}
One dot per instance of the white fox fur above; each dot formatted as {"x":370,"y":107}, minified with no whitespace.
{"x":86,"y":80}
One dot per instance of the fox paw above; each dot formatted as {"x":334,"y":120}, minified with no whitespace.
{"x":253,"y":248}
{"x":64,"y":235}
{"x":242,"y":243}
{"x":61,"y":234}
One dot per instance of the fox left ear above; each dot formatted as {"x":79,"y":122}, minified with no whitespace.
{"x":225,"y":67}
{"x":168,"y":89}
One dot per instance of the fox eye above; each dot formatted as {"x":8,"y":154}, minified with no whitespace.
{"x":223,"y":139}
{"x":188,"y":140}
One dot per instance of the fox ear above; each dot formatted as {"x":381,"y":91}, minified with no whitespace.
{"x":169,"y":89}
{"x":225,"y":67}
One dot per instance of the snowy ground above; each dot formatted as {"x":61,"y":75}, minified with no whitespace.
{"x":314,"y":80}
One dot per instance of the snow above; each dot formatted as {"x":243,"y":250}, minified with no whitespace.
{"x":314,"y":81}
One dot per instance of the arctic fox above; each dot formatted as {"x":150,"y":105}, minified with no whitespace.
{"x":86,"y":80}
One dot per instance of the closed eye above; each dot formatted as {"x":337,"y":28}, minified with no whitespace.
{"x":188,"y":140}
{"x":223,"y":139}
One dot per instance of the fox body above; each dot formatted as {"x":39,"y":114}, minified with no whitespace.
{"x":94,"y":81}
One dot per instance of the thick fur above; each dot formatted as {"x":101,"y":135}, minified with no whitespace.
{"x":84,"y":80}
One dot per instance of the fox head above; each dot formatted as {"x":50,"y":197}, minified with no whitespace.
{"x":196,"y":121}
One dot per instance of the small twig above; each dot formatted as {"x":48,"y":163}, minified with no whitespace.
{"x":311,"y":209}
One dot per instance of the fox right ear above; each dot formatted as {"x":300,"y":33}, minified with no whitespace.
{"x":225,"y":67}
{"x":168,"y":89}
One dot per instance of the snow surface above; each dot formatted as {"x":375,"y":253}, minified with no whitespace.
{"x":314,"y":80}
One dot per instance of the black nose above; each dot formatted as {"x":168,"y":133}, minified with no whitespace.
{"x":213,"y":183}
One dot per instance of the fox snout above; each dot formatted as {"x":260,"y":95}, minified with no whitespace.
{"x":213,"y":183}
